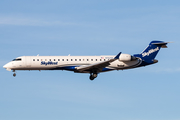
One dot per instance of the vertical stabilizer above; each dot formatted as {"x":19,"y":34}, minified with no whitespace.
{"x":149,"y":54}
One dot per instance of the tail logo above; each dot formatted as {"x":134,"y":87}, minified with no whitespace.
{"x":150,"y":52}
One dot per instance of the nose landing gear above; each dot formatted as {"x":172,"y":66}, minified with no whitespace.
{"x":14,"y":73}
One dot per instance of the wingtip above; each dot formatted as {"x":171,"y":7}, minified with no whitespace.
{"x":117,"y":56}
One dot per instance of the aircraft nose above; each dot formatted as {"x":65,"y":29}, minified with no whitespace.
{"x":5,"y":66}
{"x":8,"y":65}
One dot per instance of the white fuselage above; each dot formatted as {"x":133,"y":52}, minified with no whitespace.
{"x":66,"y":63}
{"x":88,"y":64}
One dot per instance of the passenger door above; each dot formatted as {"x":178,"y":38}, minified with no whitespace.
{"x":28,"y":62}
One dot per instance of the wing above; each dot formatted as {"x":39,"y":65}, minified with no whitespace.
{"x":97,"y":66}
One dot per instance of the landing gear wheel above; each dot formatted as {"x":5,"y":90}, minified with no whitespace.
{"x":91,"y":77}
{"x":94,"y":75}
{"x":14,"y":74}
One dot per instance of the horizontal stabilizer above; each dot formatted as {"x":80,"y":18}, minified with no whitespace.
{"x":162,"y":44}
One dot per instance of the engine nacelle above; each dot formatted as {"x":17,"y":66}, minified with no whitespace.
{"x":126,"y":57}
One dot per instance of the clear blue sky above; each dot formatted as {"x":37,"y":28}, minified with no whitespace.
{"x":90,"y":27}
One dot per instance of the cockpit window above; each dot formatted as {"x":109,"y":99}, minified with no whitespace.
{"x":17,"y":59}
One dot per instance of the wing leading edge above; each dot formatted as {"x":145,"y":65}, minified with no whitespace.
{"x":97,"y":66}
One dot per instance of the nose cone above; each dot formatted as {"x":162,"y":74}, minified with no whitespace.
{"x":5,"y":66}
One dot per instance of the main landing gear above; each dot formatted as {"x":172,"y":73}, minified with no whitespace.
{"x":93,"y":76}
{"x":14,"y":73}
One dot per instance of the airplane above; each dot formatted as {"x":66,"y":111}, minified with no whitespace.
{"x":88,"y":64}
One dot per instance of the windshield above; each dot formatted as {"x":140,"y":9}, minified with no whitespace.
{"x":17,"y":59}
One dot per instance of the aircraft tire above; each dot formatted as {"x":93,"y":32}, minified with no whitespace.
{"x":91,"y":77}
{"x":14,"y":74}
{"x":94,"y":75}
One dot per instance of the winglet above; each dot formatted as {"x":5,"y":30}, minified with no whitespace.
{"x":117,"y":56}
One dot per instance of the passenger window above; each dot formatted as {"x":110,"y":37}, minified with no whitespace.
{"x":75,"y":59}
{"x":100,"y":59}
{"x":87,"y":59}
{"x":37,"y":59}
{"x":67,"y":59}
{"x":104,"y":59}
{"x":33,"y":59}
{"x":49,"y":59}
{"x":45,"y":59}
{"x":79,"y":59}
{"x":71,"y":59}
{"x":62,"y":59}
{"x":58,"y":59}
{"x":91,"y":59}
{"x":54,"y":59}
{"x":96,"y":59}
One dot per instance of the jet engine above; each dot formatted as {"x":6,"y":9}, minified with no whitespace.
{"x":126,"y":57}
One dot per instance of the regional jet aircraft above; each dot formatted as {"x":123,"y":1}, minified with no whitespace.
{"x":88,"y":64}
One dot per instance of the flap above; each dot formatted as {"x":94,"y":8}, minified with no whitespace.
{"x":97,"y":66}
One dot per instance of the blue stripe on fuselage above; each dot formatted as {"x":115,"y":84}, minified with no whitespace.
{"x":73,"y":68}
{"x":106,"y":69}
{"x":70,"y":68}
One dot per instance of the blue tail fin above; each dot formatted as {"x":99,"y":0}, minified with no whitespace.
{"x":149,"y":54}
